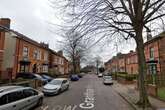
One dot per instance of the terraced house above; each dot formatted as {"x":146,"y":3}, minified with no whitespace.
{"x":155,"y":54}
{"x":58,"y":63}
{"x":4,"y":22}
{"x":155,"y":57}
{"x":22,"y":54}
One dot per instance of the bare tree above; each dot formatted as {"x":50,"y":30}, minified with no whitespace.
{"x":126,"y":18}
{"x":74,"y":46}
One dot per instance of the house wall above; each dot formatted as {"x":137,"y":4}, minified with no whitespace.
{"x":9,"y":51}
{"x":132,"y":63}
{"x":2,"y":41}
{"x":41,"y":63}
{"x":155,"y":46}
{"x":122,"y":64}
{"x":58,"y":63}
{"x":6,"y":23}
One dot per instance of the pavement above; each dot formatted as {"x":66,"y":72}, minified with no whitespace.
{"x":131,"y":95}
{"x":89,"y":93}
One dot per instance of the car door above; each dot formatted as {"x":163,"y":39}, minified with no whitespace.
{"x":31,"y":97}
{"x":3,"y":103}
{"x":13,"y":101}
{"x":65,"y":84}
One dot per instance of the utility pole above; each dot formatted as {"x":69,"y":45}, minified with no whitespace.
{"x":97,"y":64}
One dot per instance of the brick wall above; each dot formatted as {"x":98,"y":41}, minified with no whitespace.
{"x":131,"y":63}
{"x":2,"y":40}
{"x":162,"y":54}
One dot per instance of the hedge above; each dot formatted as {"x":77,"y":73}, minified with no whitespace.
{"x":128,"y":77}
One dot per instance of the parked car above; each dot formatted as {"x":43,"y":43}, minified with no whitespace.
{"x":29,"y":75}
{"x":47,"y":77}
{"x":107,"y":80}
{"x":56,"y":86}
{"x":19,"y":98}
{"x":80,"y":75}
{"x":100,"y":75}
{"x":74,"y":77}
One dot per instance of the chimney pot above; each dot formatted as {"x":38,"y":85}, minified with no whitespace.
{"x":5,"y":22}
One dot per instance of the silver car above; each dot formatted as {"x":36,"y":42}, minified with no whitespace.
{"x":19,"y":98}
{"x":107,"y":80}
{"x":56,"y":86}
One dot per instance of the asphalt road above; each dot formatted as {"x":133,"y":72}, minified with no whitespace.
{"x":89,"y":93}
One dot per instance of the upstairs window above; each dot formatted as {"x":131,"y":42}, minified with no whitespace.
{"x":25,"y":51}
{"x":45,"y":56}
{"x":35,"y":54}
{"x":152,"y":53}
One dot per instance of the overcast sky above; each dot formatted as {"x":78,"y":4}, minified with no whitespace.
{"x":32,"y":18}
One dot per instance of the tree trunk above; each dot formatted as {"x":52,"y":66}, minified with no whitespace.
{"x":143,"y":96}
{"x":74,"y":65}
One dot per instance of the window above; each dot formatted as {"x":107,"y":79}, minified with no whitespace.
{"x":29,"y":92}
{"x":128,"y":61}
{"x":65,"y":81}
{"x":11,"y":97}
{"x":152,"y":52}
{"x":45,"y":68}
{"x":24,"y":68}
{"x":35,"y":54}
{"x":38,"y":55}
{"x":62,"y":61}
{"x":45,"y":56}
{"x":25,"y":51}
{"x":3,"y":100}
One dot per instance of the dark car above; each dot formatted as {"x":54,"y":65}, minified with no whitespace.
{"x":29,"y":75}
{"x":74,"y":78}
{"x":80,"y":75}
{"x":49,"y":78}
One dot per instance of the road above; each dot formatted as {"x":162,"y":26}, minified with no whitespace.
{"x":88,"y":93}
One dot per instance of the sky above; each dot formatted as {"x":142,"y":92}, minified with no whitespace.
{"x":33,"y":17}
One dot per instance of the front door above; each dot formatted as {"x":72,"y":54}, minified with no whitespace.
{"x":153,"y":72}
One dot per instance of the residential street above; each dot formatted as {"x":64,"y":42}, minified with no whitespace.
{"x":91,"y":87}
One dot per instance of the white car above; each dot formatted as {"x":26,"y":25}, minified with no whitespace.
{"x":56,"y":86}
{"x":100,"y":75}
{"x":107,"y":80}
{"x":19,"y":98}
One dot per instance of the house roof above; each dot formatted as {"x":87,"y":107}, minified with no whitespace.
{"x":155,"y":38}
{"x":23,"y":37}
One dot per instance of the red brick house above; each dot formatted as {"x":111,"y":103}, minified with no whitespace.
{"x":58,"y":63}
{"x":22,"y":54}
{"x":4,"y":23}
{"x":155,"y":54}
{"x":112,"y":65}
{"x":154,"y":50}
{"x":123,"y":63}
{"x":132,"y":63}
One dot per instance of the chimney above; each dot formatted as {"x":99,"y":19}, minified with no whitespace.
{"x":44,"y":45}
{"x":60,"y":52}
{"x":149,"y":36}
{"x":5,"y":22}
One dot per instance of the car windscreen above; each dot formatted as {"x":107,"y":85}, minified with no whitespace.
{"x":107,"y":77}
{"x":47,"y":77}
{"x":56,"y":82}
{"x":38,"y":76}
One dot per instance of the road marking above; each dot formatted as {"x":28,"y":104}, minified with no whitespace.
{"x":89,"y":99}
{"x":58,"y":107}
{"x":44,"y":108}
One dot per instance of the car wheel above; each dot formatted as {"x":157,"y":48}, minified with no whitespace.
{"x":59,"y":91}
{"x":40,"y":102}
{"x":67,"y":87}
